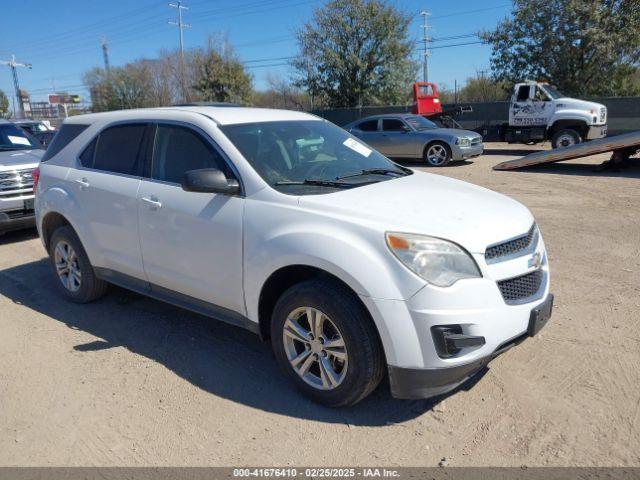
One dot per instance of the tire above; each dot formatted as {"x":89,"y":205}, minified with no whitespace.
{"x":344,"y":318}
{"x":79,"y":289}
{"x":437,"y":154}
{"x":566,"y":137}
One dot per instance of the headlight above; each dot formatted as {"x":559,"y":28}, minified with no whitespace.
{"x":438,"y":261}
{"x":463,"y":142}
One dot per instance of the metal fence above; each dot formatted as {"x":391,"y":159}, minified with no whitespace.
{"x":624,"y":114}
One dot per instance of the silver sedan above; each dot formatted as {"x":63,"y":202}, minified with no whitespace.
{"x":412,"y":136}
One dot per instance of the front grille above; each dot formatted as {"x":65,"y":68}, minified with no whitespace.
{"x":15,"y":182}
{"x":517,"y":289}
{"x":603,"y":114}
{"x":516,"y":246}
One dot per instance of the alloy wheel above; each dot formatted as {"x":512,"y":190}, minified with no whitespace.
{"x":67,"y":266}
{"x":315,"y":348}
{"x":436,"y":155}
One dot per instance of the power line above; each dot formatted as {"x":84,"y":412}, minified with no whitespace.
{"x":466,"y":12}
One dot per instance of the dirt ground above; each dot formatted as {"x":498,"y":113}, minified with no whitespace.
{"x":131,"y":381}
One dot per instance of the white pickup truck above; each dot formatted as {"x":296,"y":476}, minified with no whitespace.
{"x":539,"y":112}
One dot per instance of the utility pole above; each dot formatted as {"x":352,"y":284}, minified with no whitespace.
{"x":426,"y":39}
{"x":181,"y":25}
{"x":13,"y":64}
{"x":105,"y":54}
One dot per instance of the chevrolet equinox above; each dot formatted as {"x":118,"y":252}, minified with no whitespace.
{"x":353,"y":266}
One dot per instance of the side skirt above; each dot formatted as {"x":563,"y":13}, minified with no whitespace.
{"x":178,"y":299}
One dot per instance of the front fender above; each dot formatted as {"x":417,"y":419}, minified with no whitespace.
{"x":576,"y":116}
{"x":355,"y":254}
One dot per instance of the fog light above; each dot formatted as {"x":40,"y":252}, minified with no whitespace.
{"x":449,"y":340}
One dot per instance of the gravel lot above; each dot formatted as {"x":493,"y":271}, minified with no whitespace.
{"x":131,"y":381}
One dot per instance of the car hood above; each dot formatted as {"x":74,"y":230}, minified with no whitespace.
{"x":569,"y":103}
{"x":449,"y":132}
{"x":430,"y":204}
{"x":17,"y":158}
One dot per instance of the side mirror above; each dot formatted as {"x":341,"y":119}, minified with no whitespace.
{"x":209,"y":180}
{"x":406,"y":128}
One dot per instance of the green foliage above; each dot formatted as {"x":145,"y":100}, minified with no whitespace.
{"x":584,"y":47}
{"x":356,"y":52}
{"x":4,"y":105}
{"x":219,"y":76}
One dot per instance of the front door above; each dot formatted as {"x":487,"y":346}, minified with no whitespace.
{"x":395,"y":139}
{"x":191,"y":242}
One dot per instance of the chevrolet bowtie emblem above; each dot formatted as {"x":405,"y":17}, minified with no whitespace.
{"x":536,"y":260}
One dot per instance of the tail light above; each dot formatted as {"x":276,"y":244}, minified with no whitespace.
{"x":36,"y":176}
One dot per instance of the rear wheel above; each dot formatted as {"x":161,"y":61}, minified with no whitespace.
{"x":326,"y":343}
{"x":437,"y":154}
{"x":567,"y":137}
{"x":75,"y":277}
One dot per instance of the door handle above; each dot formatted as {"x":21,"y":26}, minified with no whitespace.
{"x":153,"y":202}
{"x":83,"y":183}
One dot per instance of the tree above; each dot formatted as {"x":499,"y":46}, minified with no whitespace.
{"x":282,"y":94}
{"x":121,"y":87}
{"x":483,"y":89}
{"x":219,"y":76}
{"x":585,"y":47}
{"x":354,"y":53}
{"x":4,"y":105}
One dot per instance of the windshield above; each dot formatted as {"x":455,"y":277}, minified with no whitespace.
{"x":553,"y":92}
{"x":309,"y":157}
{"x":14,"y":138}
{"x":421,"y":123}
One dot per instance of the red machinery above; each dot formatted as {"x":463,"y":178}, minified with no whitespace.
{"x":427,"y":103}
{"x":425,"y":99}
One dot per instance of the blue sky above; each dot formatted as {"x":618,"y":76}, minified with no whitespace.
{"x":62,"y":39}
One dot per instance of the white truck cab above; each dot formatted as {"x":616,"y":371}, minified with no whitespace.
{"x":538,"y":112}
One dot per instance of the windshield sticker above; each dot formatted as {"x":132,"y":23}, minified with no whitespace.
{"x":19,"y":140}
{"x":357,"y":147}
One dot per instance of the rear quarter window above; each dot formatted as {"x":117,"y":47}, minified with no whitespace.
{"x":65,"y":135}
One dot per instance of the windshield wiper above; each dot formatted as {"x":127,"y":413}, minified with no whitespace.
{"x":373,"y":171}
{"x":316,"y":182}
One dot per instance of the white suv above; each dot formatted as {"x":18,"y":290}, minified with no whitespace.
{"x":284,"y":224}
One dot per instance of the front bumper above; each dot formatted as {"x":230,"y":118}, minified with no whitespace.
{"x":462,"y":153}
{"x":597,"y":131}
{"x":417,"y":383}
{"x":17,"y":220}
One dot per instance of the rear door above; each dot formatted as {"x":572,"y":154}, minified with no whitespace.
{"x":191,"y":242}
{"x":106,"y":186}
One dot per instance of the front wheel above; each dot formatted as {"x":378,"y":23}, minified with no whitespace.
{"x":437,"y":154}
{"x":326,"y":343}
{"x":566,"y":137}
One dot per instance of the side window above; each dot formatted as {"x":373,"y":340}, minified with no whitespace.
{"x":64,"y":137}
{"x":368,"y":126}
{"x":118,"y":149}
{"x":523,"y":93}
{"x":86,"y":157}
{"x":392,"y":125}
{"x":180,"y":149}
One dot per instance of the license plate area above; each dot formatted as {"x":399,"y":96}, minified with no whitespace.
{"x":540,"y":316}
{"x":28,"y":204}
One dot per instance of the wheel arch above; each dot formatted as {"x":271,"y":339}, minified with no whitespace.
{"x":436,"y":140}
{"x":286,"y":277}
{"x":578,"y":125}
{"x":50,"y":223}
